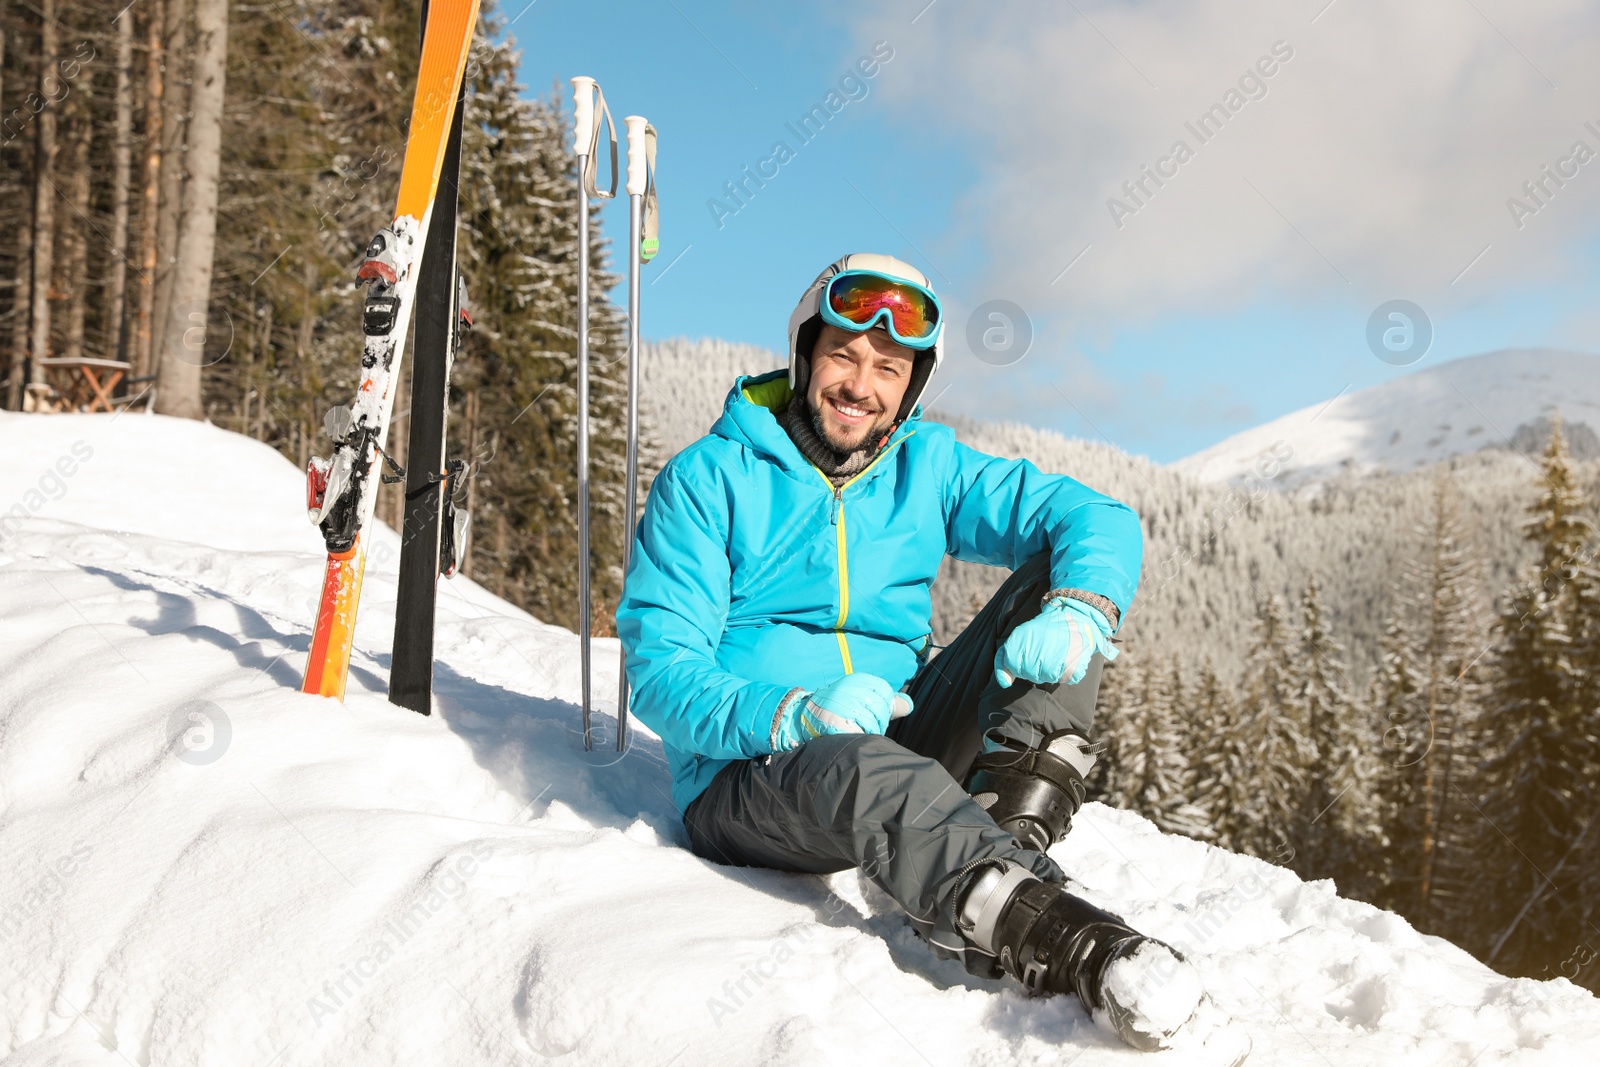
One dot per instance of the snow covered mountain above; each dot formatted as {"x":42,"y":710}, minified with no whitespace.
{"x":1410,"y":422}
{"x":201,"y":865}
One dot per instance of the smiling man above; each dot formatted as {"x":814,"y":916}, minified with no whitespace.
{"x":776,"y":620}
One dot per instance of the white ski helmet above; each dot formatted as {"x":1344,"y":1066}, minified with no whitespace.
{"x":805,"y":323}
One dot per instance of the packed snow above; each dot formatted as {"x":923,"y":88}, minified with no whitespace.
{"x":1412,"y":421}
{"x":201,"y":865}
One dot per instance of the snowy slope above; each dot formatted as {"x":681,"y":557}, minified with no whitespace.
{"x":1412,"y":421}
{"x":294,"y":881}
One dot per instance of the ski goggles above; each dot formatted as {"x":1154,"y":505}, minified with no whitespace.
{"x":858,"y":300}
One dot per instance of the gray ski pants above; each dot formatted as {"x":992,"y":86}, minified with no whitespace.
{"x":894,"y":805}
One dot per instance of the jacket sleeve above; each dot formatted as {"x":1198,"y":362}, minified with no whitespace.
{"x":674,"y":607}
{"x":1003,"y":511}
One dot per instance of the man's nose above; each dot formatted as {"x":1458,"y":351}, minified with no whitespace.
{"x":860,"y":382}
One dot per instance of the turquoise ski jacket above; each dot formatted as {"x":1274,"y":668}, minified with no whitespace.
{"x":752,"y":574}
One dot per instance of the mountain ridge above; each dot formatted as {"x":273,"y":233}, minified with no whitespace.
{"x":1498,"y":399}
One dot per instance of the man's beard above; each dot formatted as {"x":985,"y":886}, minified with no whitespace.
{"x":827,"y":433}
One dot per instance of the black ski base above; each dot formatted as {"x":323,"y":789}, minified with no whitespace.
{"x":411,"y":668}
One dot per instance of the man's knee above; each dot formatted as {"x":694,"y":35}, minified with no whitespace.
{"x":1022,"y":594}
{"x":1036,"y":567}
{"x":852,"y":766}
{"x":854,"y":750}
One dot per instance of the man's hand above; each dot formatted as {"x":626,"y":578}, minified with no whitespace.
{"x":1054,"y":646}
{"x":853,"y":704}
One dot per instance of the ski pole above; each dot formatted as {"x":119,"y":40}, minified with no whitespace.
{"x":642,"y":246}
{"x":585,"y":142}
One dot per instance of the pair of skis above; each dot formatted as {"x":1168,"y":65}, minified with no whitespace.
{"x":643,"y":243}
{"x":409,"y":269}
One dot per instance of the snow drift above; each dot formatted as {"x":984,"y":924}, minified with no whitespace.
{"x":200,"y":865}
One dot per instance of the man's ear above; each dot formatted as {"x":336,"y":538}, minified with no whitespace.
{"x":806,"y":343}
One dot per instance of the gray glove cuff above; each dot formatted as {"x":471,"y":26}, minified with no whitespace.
{"x":783,"y":709}
{"x":1094,"y":600}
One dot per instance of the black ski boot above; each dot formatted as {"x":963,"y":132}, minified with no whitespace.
{"x":1033,"y":792}
{"x":1054,"y":942}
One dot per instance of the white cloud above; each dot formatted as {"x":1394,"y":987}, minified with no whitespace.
{"x":1376,"y":162}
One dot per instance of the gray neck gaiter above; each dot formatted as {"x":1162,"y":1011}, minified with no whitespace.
{"x":800,"y":423}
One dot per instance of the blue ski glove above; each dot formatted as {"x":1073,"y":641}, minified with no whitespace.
{"x":1054,"y":646}
{"x":853,"y":704}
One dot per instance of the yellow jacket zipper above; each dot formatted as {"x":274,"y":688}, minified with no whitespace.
{"x":844,"y":562}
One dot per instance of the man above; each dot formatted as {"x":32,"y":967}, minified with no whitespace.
{"x":776,"y":619}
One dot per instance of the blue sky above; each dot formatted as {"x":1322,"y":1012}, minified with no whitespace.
{"x":739,"y":280}
{"x":985,"y":151}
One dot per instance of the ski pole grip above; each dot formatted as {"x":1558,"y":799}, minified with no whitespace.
{"x":636,"y":125}
{"x":582,"y":114}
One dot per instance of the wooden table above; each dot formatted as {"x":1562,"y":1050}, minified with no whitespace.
{"x":86,"y":384}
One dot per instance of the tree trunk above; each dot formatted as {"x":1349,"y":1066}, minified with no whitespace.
{"x":121,"y":169}
{"x":19,"y":318}
{"x":184,"y":353}
{"x":471,"y":428}
{"x":149,"y":208}
{"x":174,"y":57}
{"x":74,"y":281}
{"x":44,"y":202}
{"x":247,"y":369}
{"x":261,"y":357}
{"x":19,"y":298}
{"x":305,"y":445}
{"x":500,"y":553}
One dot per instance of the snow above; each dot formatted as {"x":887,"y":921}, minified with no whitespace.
{"x":1159,"y":988}
{"x":1412,"y":421}
{"x":201,"y":865}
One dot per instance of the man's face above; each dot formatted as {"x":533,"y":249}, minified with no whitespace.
{"x":857,"y":383}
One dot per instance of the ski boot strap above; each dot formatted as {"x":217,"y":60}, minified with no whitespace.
{"x":982,"y":891}
{"x":1062,"y":943}
{"x":1034,"y":792}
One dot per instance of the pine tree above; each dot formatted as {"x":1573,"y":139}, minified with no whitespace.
{"x":1223,"y":765}
{"x":1450,"y":640}
{"x":1143,"y":770}
{"x":1397,"y":702}
{"x":1333,"y":799}
{"x":1275,"y":736}
{"x":1541,"y":787}
{"x":1582,"y":965}
{"x":1116,"y":773}
{"x":1169,"y":735}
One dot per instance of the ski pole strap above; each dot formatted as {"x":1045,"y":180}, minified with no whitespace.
{"x":594,"y":144}
{"x":649,"y":240}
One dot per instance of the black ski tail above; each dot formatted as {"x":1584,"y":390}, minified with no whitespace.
{"x":411,"y":669}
